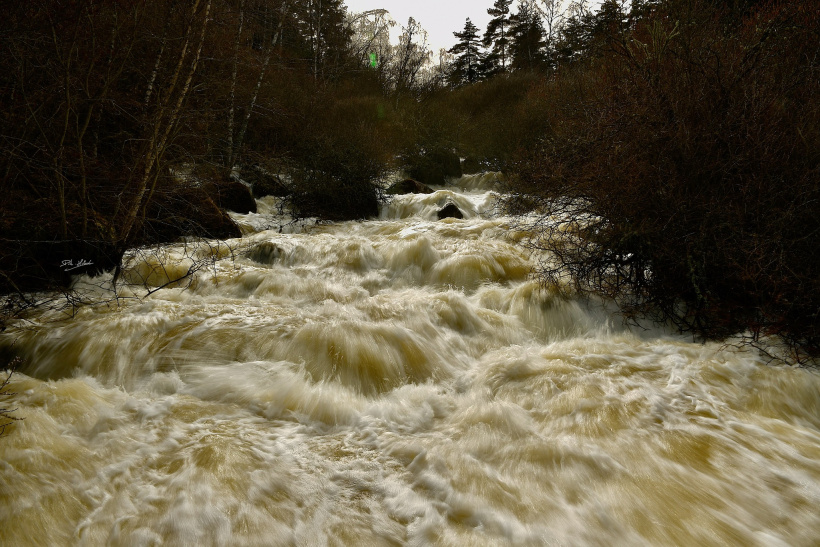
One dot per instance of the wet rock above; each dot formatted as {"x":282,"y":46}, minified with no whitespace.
{"x":450,"y":211}
{"x":40,"y":264}
{"x":264,"y":183}
{"x":470,"y":166}
{"x":265,"y":253}
{"x":186,"y":211}
{"x":409,"y":186}
{"x":232,"y":195}
{"x":434,"y":167}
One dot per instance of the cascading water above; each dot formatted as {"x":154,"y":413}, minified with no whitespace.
{"x":396,"y":381}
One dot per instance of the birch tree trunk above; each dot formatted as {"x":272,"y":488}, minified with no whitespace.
{"x":241,"y":136}
{"x":231,"y":111}
{"x":153,"y":78}
{"x":163,"y":126}
{"x":318,"y":44}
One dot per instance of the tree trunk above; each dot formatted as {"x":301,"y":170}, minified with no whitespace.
{"x":57,"y":167}
{"x":233,"y":85}
{"x":241,"y":137}
{"x":159,"y":139}
{"x":158,"y":62}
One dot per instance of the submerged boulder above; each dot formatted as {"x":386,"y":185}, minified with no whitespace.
{"x":266,"y":252}
{"x":450,"y":211}
{"x":409,"y":186}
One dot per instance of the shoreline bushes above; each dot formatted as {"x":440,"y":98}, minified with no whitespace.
{"x":687,"y":151}
{"x":103,"y":104}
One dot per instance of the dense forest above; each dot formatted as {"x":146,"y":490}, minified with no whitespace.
{"x":677,"y":140}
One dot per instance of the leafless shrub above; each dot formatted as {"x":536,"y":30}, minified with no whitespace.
{"x":6,"y":414}
{"x":684,"y":163}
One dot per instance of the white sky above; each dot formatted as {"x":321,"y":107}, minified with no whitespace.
{"x":440,"y":18}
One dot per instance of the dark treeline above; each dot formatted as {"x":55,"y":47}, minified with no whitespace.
{"x":122,"y":123}
{"x":679,"y":139}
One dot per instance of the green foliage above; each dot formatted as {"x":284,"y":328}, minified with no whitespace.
{"x":338,"y":157}
{"x":432,"y":166}
{"x":527,"y":32}
{"x":339,"y":181}
{"x":490,"y":120}
{"x":497,"y":37}
{"x":467,"y":66}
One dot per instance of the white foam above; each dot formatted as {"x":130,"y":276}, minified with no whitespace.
{"x":400,"y":381}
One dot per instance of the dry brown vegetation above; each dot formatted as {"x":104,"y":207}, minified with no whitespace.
{"x":686,"y":155}
{"x":7,"y":415}
{"x":119,"y":118}
{"x":678,"y":139}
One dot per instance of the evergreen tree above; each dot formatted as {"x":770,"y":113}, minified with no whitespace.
{"x":574,"y":39}
{"x":527,"y":38}
{"x":587,"y":33}
{"x":468,"y":62}
{"x":324,"y":33}
{"x":497,"y":36}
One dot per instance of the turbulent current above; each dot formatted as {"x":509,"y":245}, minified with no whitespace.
{"x":400,"y":381}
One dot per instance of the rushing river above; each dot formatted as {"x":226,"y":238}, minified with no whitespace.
{"x":390,"y":382}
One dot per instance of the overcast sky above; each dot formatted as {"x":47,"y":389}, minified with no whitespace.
{"x":440,"y":18}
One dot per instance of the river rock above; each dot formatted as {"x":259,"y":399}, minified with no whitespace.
{"x":450,"y":211}
{"x":185,"y":211}
{"x":434,"y":167}
{"x":266,"y":252}
{"x":42,"y":264}
{"x":264,"y":183}
{"x":470,"y":166}
{"x":409,"y":186}
{"x":232,"y":195}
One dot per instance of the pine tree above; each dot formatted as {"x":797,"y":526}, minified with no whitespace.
{"x":324,"y":34}
{"x":586,"y":33}
{"x":497,"y":36}
{"x":527,"y":36}
{"x":467,"y":64}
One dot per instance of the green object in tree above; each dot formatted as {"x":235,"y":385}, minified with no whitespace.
{"x":373,"y":61}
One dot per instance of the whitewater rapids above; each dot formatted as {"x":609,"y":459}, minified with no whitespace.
{"x":399,"y":381}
